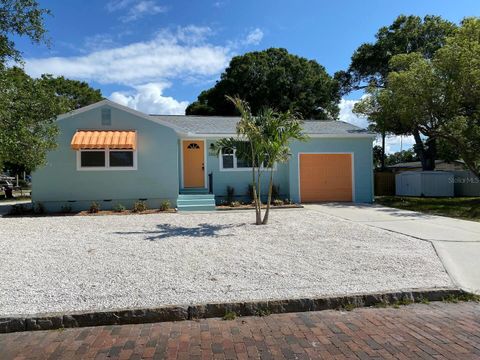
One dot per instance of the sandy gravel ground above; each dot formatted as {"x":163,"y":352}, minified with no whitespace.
{"x":53,"y":264}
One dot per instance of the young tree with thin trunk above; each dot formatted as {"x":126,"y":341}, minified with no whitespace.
{"x":263,"y":141}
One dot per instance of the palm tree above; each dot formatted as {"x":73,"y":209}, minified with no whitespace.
{"x":264,"y":141}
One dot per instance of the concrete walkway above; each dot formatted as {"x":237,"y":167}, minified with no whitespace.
{"x":457,"y":242}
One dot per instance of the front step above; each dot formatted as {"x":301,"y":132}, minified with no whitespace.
{"x":196,"y":202}
{"x":193,"y":191}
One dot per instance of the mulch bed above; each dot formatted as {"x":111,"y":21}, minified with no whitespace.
{"x":125,"y":212}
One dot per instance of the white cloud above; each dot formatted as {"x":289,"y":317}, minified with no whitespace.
{"x":396,"y":143}
{"x":148,"y":67}
{"x":347,"y":115}
{"x":149,"y":99}
{"x":171,"y":54}
{"x":254,"y":37}
{"x":392,"y":143}
{"x":136,"y":9}
{"x":220,"y":4}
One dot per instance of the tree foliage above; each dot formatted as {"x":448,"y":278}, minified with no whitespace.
{"x":272,"y":78}
{"x":438,"y":98}
{"x":407,"y":34}
{"x":371,"y":64}
{"x":27,"y":119}
{"x":28,"y":108}
{"x":263,"y":140}
{"x":20,"y":18}
{"x":71,"y":94}
{"x":401,"y":157}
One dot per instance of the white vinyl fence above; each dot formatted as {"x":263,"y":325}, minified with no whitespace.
{"x":466,"y":183}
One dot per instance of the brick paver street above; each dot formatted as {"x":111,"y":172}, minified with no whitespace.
{"x":434,"y":331}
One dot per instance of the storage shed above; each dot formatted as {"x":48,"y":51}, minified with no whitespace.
{"x":425,"y":183}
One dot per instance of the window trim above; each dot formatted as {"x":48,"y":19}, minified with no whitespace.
{"x":107,"y":161}
{"x":235,"y":168}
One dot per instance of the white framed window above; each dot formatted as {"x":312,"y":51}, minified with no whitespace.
{"x":106,"y":159}
{"x":230,"y":162}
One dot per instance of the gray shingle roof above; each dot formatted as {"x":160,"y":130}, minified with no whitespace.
{"x":219,"y":125}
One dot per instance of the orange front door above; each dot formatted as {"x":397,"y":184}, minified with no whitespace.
{"x":325,"y":177}
{"x":193,"y":164}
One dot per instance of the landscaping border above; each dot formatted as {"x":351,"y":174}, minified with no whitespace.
{"x":190,"y":312}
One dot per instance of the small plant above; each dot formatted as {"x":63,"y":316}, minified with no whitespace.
{"x":405,"y":301}
{"x":277,"y":202}
{"x":165,"y":205}
{"x":39,"y":208}
{"x":263,"y":312}
{"x":229,"y":315}
{"x":119,"y":208}
{"x":288,"y":201}
{"x":140,"y":206}
{"x":349,"y":307}
{"x":424,"y":301}
{"x":381,"y":305}
{"x":454,"y":298}
{"x":94,"y":208}
{"x":235,"y":204}
{"x":66,"y":209}
{"x":275,"y":192}
{"x":230,"y":194}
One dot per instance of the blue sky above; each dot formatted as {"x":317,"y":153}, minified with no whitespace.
{"x":157,"y":55}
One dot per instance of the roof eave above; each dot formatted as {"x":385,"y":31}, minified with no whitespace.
{"x":339,"y":136}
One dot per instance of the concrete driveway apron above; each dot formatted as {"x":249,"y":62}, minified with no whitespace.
{"x":457,"y":242}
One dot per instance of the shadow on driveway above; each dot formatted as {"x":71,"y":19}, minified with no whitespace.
{"x":165,"y":231}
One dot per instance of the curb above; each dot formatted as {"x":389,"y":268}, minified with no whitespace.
{"x":179,"y":313}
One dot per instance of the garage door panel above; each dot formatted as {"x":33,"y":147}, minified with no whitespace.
{"x":325,"y":177}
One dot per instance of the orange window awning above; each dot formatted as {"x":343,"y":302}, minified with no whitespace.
{"x":97,"y":139}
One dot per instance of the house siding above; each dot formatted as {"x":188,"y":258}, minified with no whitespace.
{"x":362,"y":163}
{"x":159,"y":172}
{"x":240,"y":180}
{"x":156,"y":178}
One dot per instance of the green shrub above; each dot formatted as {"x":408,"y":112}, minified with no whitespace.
{"x":94,"y":208}
{"x":165,"y":205}
{"x":230,"y":194}
{"x":39,"y":208}
{"x":235,"y":204}
{"x":277,"y":202}
{"x":229,"y":315}
{"x":140,"y":206}
{"x":66,"y":209}
{"x":119,"y":208}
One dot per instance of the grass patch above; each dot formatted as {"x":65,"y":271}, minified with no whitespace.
{"x":229,"y":315}
{"x":349,"y":307}
{"x":263,"y":312}
{"x":460,"y":207}
{"x":424,"y":301}
{"x":461,"y":297}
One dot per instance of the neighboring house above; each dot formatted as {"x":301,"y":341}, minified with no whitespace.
{"x":112,"y":154}
{"x":440,"y":165}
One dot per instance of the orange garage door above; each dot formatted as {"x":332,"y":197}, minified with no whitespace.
{"x":325,"y":177}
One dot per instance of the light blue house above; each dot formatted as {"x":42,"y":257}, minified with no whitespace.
{"x":112,"y":154}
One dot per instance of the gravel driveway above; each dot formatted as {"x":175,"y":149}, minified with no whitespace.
{"x":76,"y":263}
